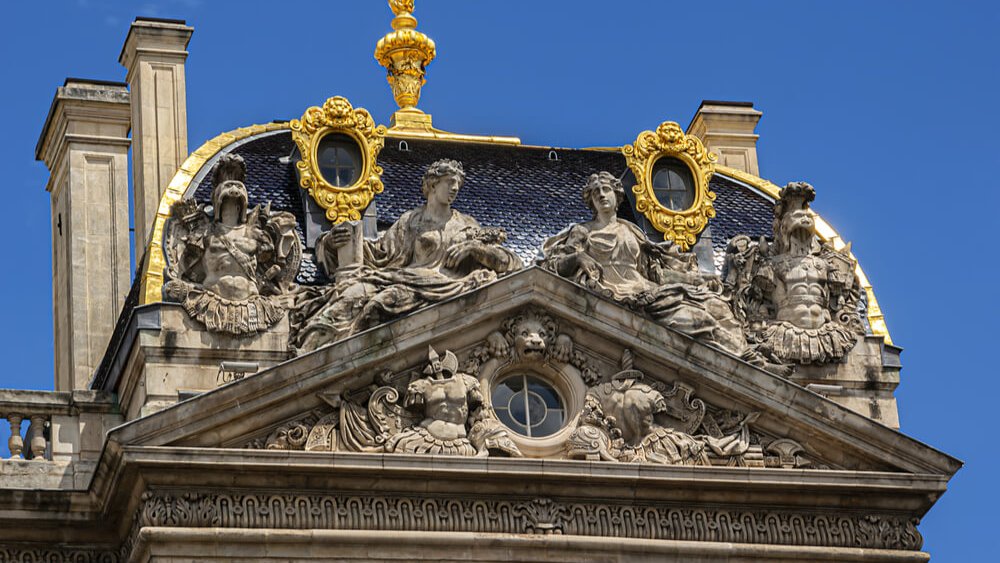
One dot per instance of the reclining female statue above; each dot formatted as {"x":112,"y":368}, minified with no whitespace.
{"x":615,"y":258}
{"x":430,"y":254}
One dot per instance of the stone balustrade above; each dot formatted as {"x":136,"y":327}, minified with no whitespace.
{"x":61,"y":426}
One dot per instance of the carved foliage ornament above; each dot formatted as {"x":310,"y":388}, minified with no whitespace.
{"x":669,"y":141}
{"x":337,"y":116}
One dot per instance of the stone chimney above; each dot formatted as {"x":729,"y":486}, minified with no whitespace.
{"x":727,"y":129}
{"x":154,"y":55}
{"x":84,"y":144}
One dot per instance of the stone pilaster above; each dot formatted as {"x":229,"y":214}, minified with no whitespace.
{"x":727,"y":129}
{"x":85,"y":146}
{"x":154,"y":54}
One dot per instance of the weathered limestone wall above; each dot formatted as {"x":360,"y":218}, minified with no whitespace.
{"x":173,"y":358}
{"x":864,"y":382}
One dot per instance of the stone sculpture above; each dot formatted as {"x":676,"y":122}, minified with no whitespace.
{"x":627,"y":420}
{"x":430,"y":254}
{"x":529,"y":336}
{"x":230,"y":269}
{"x":798,"y":297}
{"x":442,"y":413}
{"x":446,"y":400}
{"x":615,"y":258}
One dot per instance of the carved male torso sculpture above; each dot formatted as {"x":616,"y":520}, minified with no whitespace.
{"x":229,"y":269}
{"x":798,"y":296}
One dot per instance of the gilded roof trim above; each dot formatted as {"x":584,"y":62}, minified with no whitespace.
{"x":151,"y":290}
{"x":828,"y":234}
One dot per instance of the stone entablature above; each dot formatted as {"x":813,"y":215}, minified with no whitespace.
{"x":212,"y":494}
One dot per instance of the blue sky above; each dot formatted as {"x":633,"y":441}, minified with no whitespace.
{"x":887,"y":108}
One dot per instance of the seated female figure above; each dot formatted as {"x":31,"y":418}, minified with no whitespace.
{"x":430,"y":254}
{"x":615,"y":258}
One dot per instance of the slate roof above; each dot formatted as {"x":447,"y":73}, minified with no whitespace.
{"x":518,"y":188}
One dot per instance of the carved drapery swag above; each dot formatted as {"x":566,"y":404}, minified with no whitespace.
{"x":798,"y":298}
{"x":230,"y":268}
{"x":420,"y":259}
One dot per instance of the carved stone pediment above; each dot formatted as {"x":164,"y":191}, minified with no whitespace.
{"x":573,"y":340}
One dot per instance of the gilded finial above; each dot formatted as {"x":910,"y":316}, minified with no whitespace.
{"x":405,"y":53}
{"x":401,"y":6}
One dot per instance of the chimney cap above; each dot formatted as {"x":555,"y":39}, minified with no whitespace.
{"x":88,"y":89}
{"x":725,"y":103}
{"x":158,"y":20}
{"x":94,"y":81}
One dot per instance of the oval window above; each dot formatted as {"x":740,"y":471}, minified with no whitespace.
{"x":673,"y":184}
{"x":529,"y":406}
{"x":339,"y":159}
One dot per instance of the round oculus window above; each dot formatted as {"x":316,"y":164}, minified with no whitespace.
{"x":673,"y":184}
{"x":339,"y":160}
{"x":529,"y":406}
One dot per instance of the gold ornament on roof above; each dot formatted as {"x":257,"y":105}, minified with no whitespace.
{"x":337,"y":117}
{"x":405,"y":53}
{"x":669,"y":141}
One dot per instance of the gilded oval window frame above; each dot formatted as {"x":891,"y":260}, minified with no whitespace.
{"x":670,"y":141}
{"x":338,"y":116}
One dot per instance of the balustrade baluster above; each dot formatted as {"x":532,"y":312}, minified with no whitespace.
{"x":38,"y":442}
{"x":15,"y":443}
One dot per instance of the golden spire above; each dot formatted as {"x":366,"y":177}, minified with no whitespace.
{"x":405,"y":53}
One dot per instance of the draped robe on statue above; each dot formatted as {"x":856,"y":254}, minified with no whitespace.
{"x":639,"y":273}
{"x":403,"y":270}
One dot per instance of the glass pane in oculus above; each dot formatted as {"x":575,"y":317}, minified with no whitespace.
{"x":529,"y":406}
{"x":339,"y":160}
{"x":673,"y":184}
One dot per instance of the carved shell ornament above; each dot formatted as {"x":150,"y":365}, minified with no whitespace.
{"x":339,"y":119}
{"x":669,"y":141}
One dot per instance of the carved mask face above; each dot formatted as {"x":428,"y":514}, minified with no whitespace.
{"x":798,"y":220}
{"x":530,"y":339}
{"x":230,"y":192}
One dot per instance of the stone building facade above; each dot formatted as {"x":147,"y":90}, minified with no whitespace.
{"x":346,"y":340}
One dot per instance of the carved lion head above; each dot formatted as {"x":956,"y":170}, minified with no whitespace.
{"x":531,"y":333}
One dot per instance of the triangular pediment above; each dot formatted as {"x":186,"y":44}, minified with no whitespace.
{"x":707,"y":391}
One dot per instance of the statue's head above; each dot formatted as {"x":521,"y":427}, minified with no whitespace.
{"x":531,"y":332}
{"x":440,"y":367}
{"x":599,"y":186}
{"x":791,"y":213}
{"x":227,"y":178}
{"x":440,"y":170}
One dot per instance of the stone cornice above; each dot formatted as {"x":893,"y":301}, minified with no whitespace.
{"x":146,"y":484}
